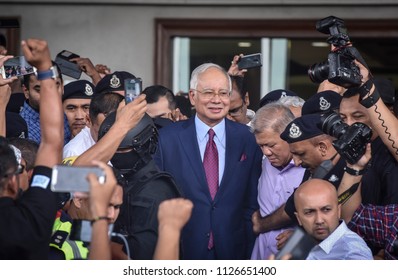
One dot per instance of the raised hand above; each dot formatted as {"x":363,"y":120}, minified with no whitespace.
{"x":37,"y":53}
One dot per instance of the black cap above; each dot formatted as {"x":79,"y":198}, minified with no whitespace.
{"x":113,"y":82}
{"x":276,"y":95}
{"x":302,"y":128}
{"x":15,"y":126}
{"x":386,"y":90}
{"x":78,"y":90}
{"x":322,"y":102}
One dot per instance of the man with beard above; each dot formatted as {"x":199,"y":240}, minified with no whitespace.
{"x":318,"y":212}
{"x":76,"y":102}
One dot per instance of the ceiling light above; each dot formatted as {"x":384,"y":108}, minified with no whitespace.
{"x":244,"y":44}
{"x":320,"y":44}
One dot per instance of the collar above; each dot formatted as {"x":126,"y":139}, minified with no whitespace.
{"x":202,"y":130}
{"x":328,"y":244}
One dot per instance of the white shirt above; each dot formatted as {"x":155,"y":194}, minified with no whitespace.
{"x":79,"y":144}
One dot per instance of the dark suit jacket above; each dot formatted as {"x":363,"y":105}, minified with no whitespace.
{"x":229,"y":215}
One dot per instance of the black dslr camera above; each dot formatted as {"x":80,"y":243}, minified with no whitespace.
{"x":340,"y":68}
{"x":351,"y":140}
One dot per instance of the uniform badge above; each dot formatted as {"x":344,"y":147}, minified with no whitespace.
{"x":283,"y":94}
{"x":88,"y":90}
{"x":333,"y":178}
{"x":324,"y":104}
{"x":294,"y":131}
{"x":115,"y":82}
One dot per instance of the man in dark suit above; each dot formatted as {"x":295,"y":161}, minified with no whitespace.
{"x":223,"y":202}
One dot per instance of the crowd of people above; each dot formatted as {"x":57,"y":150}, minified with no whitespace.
{"x":202,"y":177}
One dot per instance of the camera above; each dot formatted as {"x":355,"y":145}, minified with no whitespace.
{"x":340,"y":68}
{"x":351,"y":140}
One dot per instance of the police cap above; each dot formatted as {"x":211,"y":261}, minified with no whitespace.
{"x":113,"y":82}
{"x":78,"y":90}
{"x":302,"y":128}
{"x":322,"y":102}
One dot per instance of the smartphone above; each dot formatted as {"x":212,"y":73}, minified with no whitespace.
{"x":66,"y":178}
{"x":250,"y":61}
{"x":16,"y":66}
{"x":82,"y":230}
{"x":132,"y":88}
{"x":68,"y":68}
{"x":298,"y":245}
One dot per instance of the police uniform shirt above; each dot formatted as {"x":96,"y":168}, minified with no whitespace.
{"x":334,"y":176}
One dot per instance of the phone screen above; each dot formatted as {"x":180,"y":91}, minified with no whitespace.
{"x":132,"y":88}
{"x":74,"y":178}
{"x":16,"y":66}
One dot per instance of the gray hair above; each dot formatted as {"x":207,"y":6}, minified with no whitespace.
{"x":294,"y":101}
{"x":274,"y":115}
{"x":193,"y":84}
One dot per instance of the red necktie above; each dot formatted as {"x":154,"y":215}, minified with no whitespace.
{"x":210,"y":164}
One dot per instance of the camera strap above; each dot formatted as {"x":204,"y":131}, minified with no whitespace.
{"x":372,"y":99}
{"x":348,"y":193}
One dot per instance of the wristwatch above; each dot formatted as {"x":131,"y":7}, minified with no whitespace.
{"x":52,"y":73}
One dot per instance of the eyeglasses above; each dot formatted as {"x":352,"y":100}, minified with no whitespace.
{"x":209,"y":94}
{"x":236,"y":111}
{"x":20,"y":169}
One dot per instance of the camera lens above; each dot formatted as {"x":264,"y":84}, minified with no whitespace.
{"x":319,"y":72}
{"x":332,"y":125}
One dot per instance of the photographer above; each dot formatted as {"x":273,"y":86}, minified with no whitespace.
{"x":346,"y":68}
{"x":375,"y":224}
{"x":380,"y":177}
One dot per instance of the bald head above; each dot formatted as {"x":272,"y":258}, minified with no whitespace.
{"x":315,"y":188}
{"x":317,"y":208}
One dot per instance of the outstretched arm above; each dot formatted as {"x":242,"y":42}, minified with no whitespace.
{"x":51,"y":111}
{"x":127,"y":117}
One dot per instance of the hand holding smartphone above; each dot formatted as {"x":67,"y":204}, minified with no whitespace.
{"x":132,"y":88}
{"x":250,"y":61}
{"x":15,"y":67}
{"x":74,"y":178}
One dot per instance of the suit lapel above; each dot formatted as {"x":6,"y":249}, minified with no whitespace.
{"x":189,"y":143}
{"x":232,"y":154}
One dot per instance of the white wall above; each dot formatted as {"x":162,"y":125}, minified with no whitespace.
{"x":123,"y":36}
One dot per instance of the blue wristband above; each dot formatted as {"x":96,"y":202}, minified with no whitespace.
{"x":52,"y":73}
